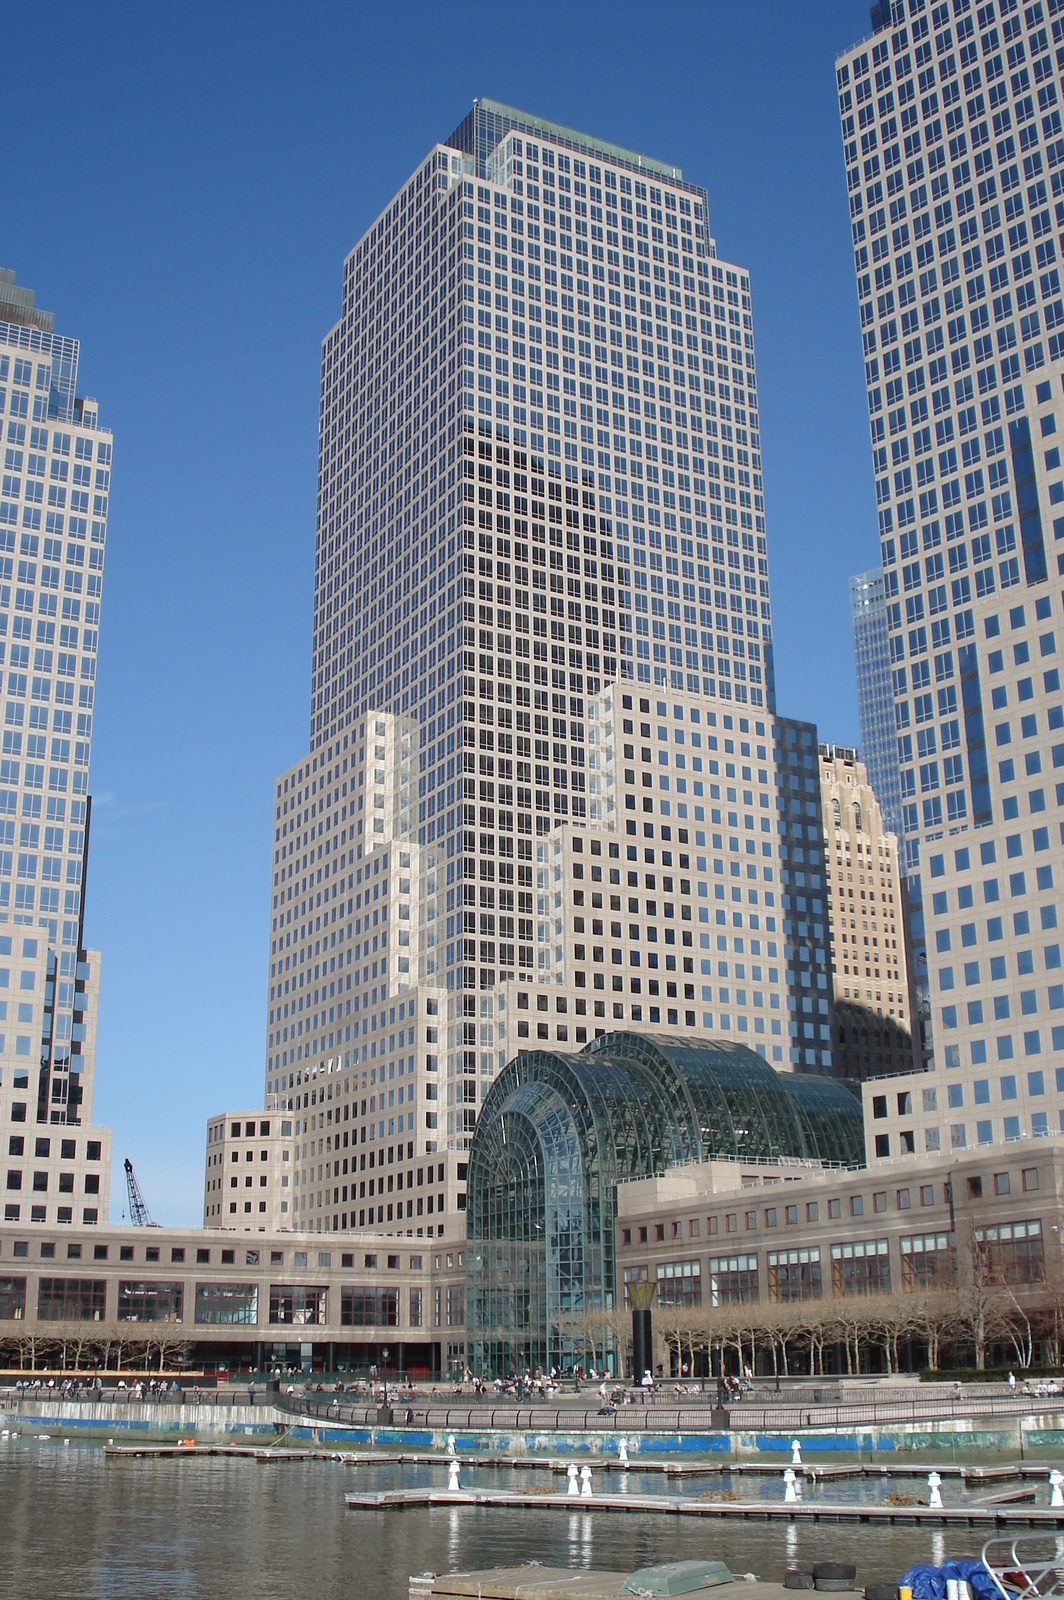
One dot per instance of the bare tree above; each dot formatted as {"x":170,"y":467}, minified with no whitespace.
{"x":934,"y":1313}
{"x":167,"y":1341}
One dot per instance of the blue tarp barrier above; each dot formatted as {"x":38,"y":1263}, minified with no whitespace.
{"x":929,"y":1583}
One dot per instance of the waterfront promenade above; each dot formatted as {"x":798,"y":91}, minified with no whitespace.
{"x":860,"y":1418}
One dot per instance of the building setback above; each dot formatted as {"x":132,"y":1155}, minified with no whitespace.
{"x":53,"y":525}
{"x":952,"y":135}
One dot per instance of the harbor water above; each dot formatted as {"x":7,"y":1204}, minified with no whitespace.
{"x":76,"y":1524}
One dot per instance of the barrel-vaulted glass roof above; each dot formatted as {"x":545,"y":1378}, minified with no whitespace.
{"x":557,"y":1133}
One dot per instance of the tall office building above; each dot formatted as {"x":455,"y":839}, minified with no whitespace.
{"x":53,"y":519}
{"x":952,"y":133}
{"x":876,"y":1020}
{"x":547,"y":795}
{"x":875,"y":698}
{"x":875,"y":707}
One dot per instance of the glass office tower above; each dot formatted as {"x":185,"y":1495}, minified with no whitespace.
{"x":954,"y":157}
{"x":875,"y":700}
{"x":53,"y":522}
{"x":541,"y":599}
{"x":539,"y":471}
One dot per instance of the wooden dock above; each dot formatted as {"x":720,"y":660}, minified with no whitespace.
{"x":181,"y":1452}
{"x":972,"y":1516}
{"x":1026,"y":1472}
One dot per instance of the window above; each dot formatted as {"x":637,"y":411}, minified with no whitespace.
{"x":1012,"y":1252}
{"x":861,"y":1268}
{"x":150,"y":1302}
{"x":298,"y":1305}
{"x":927,"y":1194}
{"x":12,"y":1299}
{"x":856,"y":1205}
{"x":679,"y":1283}
{"x":1030,"y":1179}
{"x":975,"y":1188}
{"x":375,"y":1308}
{"x":455,"y":1305}
{"x":1001,"y":1183}
{"x":928,"y":1261}
{"x":227,"y":1302}
{"x":794,"y":1275}
{"x":71,"y":1299}
{"x":733,"y":1280}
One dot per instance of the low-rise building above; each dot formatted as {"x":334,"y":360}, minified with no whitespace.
{"x":132,"y":1298}
{"x":983,"y":1225}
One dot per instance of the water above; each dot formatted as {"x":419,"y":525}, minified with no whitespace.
{"x":78,"y":1525}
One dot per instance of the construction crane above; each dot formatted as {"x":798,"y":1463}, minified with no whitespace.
{"x":138,"y":1211}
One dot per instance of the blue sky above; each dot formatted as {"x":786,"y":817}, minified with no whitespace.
{"x":182,"y":185}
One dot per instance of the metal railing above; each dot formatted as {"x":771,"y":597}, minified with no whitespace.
{"x":1025,"y":1566}
{"x":781,"y":1417}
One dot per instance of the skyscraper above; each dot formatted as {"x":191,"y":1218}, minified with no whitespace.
{"x":875,"y":699}
{"x":951,"y":121}
{"x":541,"y":608}
{"x":53,"y":519}
{"x":868,"y":918}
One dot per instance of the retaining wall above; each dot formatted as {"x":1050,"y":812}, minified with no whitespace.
{"x":166,"y":1423}
{"x":958,"y":1438}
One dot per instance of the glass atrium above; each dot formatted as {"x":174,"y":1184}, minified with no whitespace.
{"x":557,"y":1133}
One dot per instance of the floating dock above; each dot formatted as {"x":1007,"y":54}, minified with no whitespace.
{"x":182,"y":1452}
{"x":1045,"y":1518}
